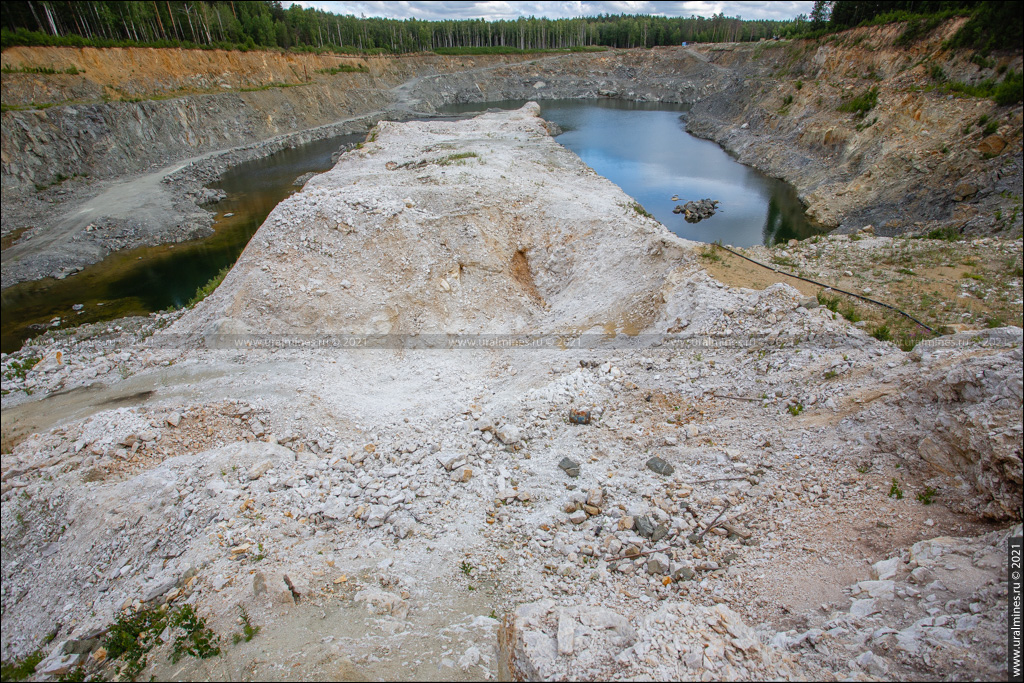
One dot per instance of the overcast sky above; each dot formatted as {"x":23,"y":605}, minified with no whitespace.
{"x":452,"y":9}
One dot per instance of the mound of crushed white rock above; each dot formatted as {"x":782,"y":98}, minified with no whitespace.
{"x":680,"y":480}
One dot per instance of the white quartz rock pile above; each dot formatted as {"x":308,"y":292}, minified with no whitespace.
{"x":679,"y":641}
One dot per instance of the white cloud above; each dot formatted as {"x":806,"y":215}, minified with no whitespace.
{"x":498,"y":9}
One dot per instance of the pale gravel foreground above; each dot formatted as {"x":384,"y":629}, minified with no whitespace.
{"x":384,"y":483}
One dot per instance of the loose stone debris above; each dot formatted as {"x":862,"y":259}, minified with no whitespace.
{"x":303,"y":450}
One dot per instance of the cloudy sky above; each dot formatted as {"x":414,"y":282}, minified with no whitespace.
{"x":452,"y":9}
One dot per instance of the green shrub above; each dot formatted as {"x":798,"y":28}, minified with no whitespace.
{"x":196,"y":640}
{"x":640,"y":210}
{"x":920,"y":27}
{"x":1008,"y":91}
{"x":21,"y":669}
{"x":882,"y":333}
{"x":829,"y":302}
{"x":851,"y":313}
{"x":131,"y":638}
{"x":947,"y":234}
{"x":861,"y":104}
{"x":248,"y":630}
{"x":709,"y":253}
{"x":993,"y":26}
{"x":207,"y":289}
{"x":346,"y":69}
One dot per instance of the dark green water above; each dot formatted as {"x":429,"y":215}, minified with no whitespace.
{"x":644,"y":149}
{"x":140,"y":281}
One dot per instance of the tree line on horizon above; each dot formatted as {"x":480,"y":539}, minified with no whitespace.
{"x":269,"y":25}
{"x":255,"y":25}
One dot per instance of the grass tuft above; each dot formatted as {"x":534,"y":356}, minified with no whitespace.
{"x":207,"y":289}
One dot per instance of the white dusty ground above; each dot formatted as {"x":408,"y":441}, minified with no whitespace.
{"x":382,"y":510}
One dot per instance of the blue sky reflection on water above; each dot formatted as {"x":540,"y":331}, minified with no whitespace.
{"x":644,"y":149}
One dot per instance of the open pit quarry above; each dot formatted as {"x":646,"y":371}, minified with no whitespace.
{"x":118,"y":155}
{"x":363,"y":439}
{"x":461,"y":411}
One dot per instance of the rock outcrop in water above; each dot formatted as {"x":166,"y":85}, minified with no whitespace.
{"x":696,"y":211}
{"x":365,"y":428}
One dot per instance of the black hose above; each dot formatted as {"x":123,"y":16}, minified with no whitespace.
{"x":822,"y":284}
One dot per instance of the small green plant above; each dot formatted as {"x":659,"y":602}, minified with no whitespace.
{"x":927,"y":496}
{"x":21,"y":669}
{"x":831,"y":374}
{"x":248,"y":630}
{"x":710,"y":253}
{"x":936,"y":73}
{"x":207,"y":289}
{"x":456,"y":158}
{"x":882,"y":333}
{"x":640,"y":210}
{"x":787,"y":100}
{"x":895,"y":491}
{"x":196,"y":640}
{"x":136,"y":633}
{"x":948,"y":234}
{"x":861,"y":104}
{"x":796,"y":409}
{"x":991,"y":127}
{"x":345,"y":68}
{"x":829,"y":302}
{"x":466,"y":568}
{"x":76,"y":675}
{"x":17,"y":369}
{"x":982,"y":61}
{"x":131,"y":638}
{"x":851,"y":313}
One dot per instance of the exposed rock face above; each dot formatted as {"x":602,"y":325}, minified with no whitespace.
{"x":880,"y":168}
{"x":968,"y":413}
{"x":898,"y":167}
